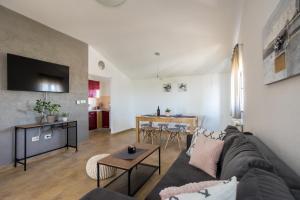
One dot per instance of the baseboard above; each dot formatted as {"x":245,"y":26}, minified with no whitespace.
{"x":7,"y":167}
{"x":100,"y":129}
{"x":124,"y":131}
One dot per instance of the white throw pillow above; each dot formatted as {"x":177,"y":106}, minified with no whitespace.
{"x":223,"y":191}
{"x":216,"y":135}
{"x":194,"y":139}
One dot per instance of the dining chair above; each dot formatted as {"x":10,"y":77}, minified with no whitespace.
{"x":175,"y":134}
{"x":162,"y":127}
{"x":145,"y":130}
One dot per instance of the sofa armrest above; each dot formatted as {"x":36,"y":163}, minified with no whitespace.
{"x":189,"y":138}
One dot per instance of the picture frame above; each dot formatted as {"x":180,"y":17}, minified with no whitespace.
{"x":167,"y":87}
{"x":182,"y":87}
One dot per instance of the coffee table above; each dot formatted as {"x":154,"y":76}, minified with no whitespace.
{"x":129,"y":165}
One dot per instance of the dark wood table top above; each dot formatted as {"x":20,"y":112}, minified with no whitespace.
{"x":129,"y":164}
{"x":28,"y":126}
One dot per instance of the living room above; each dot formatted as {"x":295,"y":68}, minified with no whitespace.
{"x":219,"y":75}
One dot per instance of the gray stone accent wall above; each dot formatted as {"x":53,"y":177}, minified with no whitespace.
{"x":23,"y":36}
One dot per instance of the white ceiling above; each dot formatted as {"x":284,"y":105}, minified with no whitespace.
{"x":193,"y":36}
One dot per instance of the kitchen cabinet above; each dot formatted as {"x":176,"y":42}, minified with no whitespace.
{"x":105,"y":119}
{"x":99,"y":119}
{"x":94,"y":86}
{"x":92,"y":120}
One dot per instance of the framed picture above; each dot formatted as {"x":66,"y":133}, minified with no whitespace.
{"x":281,"y":42}
{"x":167,"y":87}
{"x":182,"y":87}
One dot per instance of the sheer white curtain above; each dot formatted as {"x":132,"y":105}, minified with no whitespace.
{"x":237,"y":86}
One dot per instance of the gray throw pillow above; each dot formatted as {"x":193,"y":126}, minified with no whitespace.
{"x":258,"y":184}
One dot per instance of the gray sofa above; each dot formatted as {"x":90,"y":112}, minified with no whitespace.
{"x":261,"y":174}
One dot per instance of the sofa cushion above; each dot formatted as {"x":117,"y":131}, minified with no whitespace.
{"x":191,"y":187}
{"x":231,"y":129}
{"x":225,"y":191}
{"x":179,"y":174}
{"x":228,"y":141}
{"x":206,"y":154}
{"x":241,"y":157}
{"x":98,"y":193}
{"x":280,"y":168}
{"x":296,"y":193}
{"x":258,"y":184}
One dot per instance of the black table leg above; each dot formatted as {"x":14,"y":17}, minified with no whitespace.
{"x":159,"y":160}
{"x":67,"y":136}
{"x":16,"y":147}
{"x":76,"y":137}
{"x":25,"y":149}
{"x":98,"y":175}
{"x":129,"y":186}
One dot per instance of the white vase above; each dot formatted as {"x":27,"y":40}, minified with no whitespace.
{"x":167,"y":113}
{"x":64,"y":119}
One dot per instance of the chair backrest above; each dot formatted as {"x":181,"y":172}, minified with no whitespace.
{"x":181,"y":127}
{"x":147,"y":124}
{"x":163,"y":126}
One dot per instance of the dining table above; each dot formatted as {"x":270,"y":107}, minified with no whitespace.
{"x":189,"y":120}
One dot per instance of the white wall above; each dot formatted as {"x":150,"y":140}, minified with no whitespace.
{"x":105,"y":87}
{"x":121,"y":114}
{"x":271,"y":112}
{"x":207,"y":95}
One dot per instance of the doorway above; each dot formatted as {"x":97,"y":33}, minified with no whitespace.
{"x":99,"y":100}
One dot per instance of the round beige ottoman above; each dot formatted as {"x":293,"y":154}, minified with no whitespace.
{"x":105,"y":171}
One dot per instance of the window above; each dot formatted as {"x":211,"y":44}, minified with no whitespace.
{"x":237,"y":84}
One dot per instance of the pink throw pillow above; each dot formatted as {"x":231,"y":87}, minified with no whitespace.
{"x":206,"y":154}
{"x":188,"y":188}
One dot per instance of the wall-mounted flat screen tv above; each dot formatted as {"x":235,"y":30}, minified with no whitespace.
{"x":26,"y":74}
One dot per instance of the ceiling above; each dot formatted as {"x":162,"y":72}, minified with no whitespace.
{"x":192,"y":36}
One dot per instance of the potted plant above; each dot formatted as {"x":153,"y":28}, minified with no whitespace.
{"x":40,"y":107}
{"x":64,"y":116}
{"x":168,"y":112}
{"x":52,"y":109}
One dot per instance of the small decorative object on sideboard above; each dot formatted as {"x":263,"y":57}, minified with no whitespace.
{"x":64,"y":116}
{"x":168,"y":112}
{"x":53,"y":110}
{"x":40,"y":107}
{"x":47,"y":110}
{"x":131,"y":149}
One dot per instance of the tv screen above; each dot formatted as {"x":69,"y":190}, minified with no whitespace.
{"x":26,"y":74}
